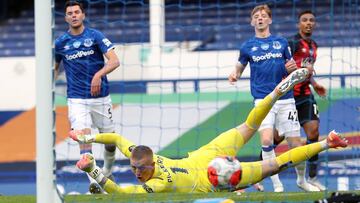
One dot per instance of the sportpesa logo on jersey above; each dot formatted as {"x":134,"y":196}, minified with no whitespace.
{"x":79,"y":54}
{"x":266,"y":56}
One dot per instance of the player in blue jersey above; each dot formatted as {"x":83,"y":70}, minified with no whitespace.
{"x":81,"y":50}
{"x":270,"y":61}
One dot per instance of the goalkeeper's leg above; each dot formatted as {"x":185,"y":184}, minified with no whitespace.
{"x":253,"y":172}
{"x":229,"y":142}
{"x":259,"y":112}
{"x":299,"y":154}
{"x":232,"y":140}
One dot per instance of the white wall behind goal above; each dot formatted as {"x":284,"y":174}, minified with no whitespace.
{"x":17,"y":83}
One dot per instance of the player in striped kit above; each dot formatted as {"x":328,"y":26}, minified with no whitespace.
{"x":304,"y":50}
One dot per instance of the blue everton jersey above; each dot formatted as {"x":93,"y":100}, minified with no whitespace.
{"x":82,"y":57}
{"x":267,"y":58}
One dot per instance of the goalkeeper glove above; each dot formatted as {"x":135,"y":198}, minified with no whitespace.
{"x":87,"y":163}
{"x":78,"y":135}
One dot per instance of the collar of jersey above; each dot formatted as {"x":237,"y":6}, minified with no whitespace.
{"x":80,"y":35}
{"x":157,"y":171}
{"x":262,"y":39}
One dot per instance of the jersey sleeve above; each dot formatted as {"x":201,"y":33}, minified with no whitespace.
{"x":243,"y":55}
{"x":58,"y":56}
{"x":123,"y":144}
{"x":316,"y":47}
{"x":103,"y":43}
{"x":287,"y":50}
{"x":291,"y":43}
{"x":151,"y":186}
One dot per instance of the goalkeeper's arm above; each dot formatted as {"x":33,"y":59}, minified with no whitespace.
{"x":87,"y":164}
{"x":124,"y":145}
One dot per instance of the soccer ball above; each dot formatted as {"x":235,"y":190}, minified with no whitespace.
{"x":224,"y":172}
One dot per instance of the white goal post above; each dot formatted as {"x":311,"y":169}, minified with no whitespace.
{"x":45,"y":118}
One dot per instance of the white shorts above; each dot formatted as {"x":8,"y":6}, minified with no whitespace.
{"x":283,"y":117}
{"x":91,"y":113}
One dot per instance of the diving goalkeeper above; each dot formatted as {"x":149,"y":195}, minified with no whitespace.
{"x":191,"y":174}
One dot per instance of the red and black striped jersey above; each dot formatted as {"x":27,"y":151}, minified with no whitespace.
{"x":302,"y":49}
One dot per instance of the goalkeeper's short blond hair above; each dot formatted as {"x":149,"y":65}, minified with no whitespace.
{"x":141,"y":151}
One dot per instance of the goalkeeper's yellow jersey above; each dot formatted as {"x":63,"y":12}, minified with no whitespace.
{"x":188,"y":174}
{"x":182,"y":175}
{"x":169,"y":176}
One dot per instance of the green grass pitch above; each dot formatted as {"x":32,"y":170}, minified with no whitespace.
{"x":183,"y":197}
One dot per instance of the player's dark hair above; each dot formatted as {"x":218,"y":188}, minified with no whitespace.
{"x":305,"y":12}
{"x":140,"y":151}
{"x":74,"y":3}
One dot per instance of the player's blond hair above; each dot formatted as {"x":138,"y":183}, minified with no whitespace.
{"x":141,"y":151}
{"x":262,"y":7}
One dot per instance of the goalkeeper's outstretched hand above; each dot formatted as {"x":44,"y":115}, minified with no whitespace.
{"x":79,"y":136}
{"x":86,"y":162}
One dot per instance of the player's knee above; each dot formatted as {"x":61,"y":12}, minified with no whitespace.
{"x":294,"y":142}
{"x":313,"y":134}
{"x":110,"y":147}
{"x":312,"y":130}
{"x":267,"y":140}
